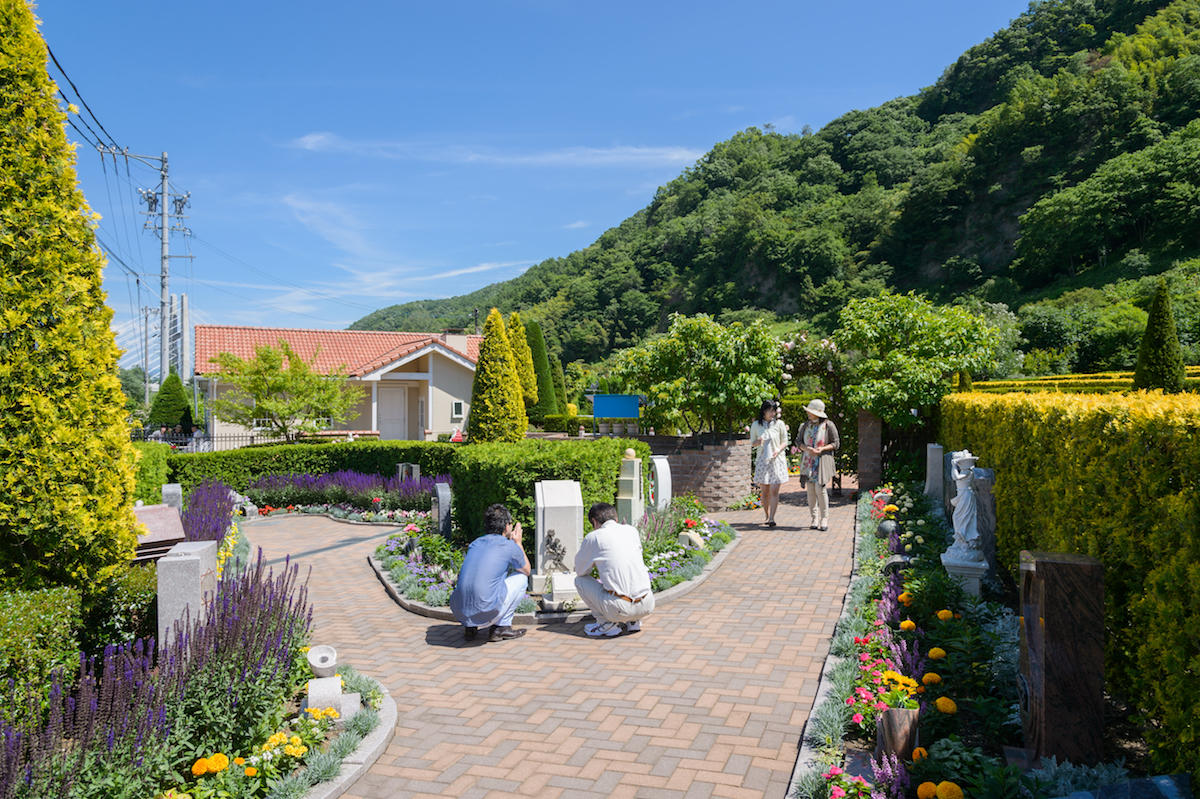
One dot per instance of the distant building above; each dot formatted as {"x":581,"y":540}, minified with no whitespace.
{"x":418,"y":384}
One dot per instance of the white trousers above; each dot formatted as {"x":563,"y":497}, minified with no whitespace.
{"x":818,"y":502}
{"x":606,"y":607}
{"x":516,"y":585}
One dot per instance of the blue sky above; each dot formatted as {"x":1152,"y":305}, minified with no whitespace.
{"x":342,"y":157}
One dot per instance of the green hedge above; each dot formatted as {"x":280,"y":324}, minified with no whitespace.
{"x":1116,"y":477}
{"x":238,"y":467}
{"x":151,"y":471}
{"x":125,"y":608}
{"x":487,"y":473}
{"x":562,"y":423}
{"x":38,"y":634}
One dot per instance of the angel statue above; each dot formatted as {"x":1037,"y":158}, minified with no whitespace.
{"x":966,"y":544}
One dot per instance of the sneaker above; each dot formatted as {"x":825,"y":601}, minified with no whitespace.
{"x":632,"y":627}
{"x":469,"y":633}
{"x":504,"y":634}
{"x":602,"y":629}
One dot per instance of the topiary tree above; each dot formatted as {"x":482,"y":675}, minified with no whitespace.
{"x":560,"y":383}
{"x":66,"y":462}
{"x":497,"y":405}
{"x":170,"y":405}
{"x":524,"y":359}
{"x":1160,"y":358}
{"x":547,"y":402}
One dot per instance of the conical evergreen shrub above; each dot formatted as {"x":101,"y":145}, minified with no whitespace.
{"x":547,"y":400}
{"x":560,"y":383}
{"x":497,"y":405}
{"x":1160,"y":359}
{"x":170,"y":405}
{"x":66,"y":462}
{"x":523,"y":357}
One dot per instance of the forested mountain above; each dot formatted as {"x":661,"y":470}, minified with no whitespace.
{"x":1062,"y":152}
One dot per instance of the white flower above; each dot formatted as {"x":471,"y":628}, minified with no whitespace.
{"x":920,"y":540}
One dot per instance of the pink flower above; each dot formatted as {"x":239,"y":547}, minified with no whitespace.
{"x":881,"y":706}
{"x":837,"y":792}
{"x":864,"y":657}
{"x":879,"y":622}
{"x":877,"y":680}
{"x":412,"y":528}
{"x":849,"y":700}
{"x":834,"y":771}
{"x":859,"y":780}
{"x":857,"y":718}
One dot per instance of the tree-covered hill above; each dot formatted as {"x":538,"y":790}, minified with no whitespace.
{"x":1044,"y":156}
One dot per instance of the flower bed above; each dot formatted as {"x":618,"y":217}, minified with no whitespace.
{"x":913,"y":640}
{"x":369,"y":492}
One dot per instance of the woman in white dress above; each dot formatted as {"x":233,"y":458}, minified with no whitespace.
{"x":769,"y":435}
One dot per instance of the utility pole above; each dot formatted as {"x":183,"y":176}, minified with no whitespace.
{"x":164,"y":368}
{"x":146,"y":352}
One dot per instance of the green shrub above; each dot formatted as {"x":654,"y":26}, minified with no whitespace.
{"x":237,"y":468}
{"x":151,"y":471}
{"x":38,"y":634}
{"x":124,"y":609}
{"x":523,"y":357}
{"x":66,"y":464}
{"x":497,"y":401}
{"x":560,"y":383}
{"x":563,"y":423}
{"x":1116,"y":477}
{"x":547,"y":401}
{"x":1160,"y":358}
{"x":487,"y":473}
{"x":170,"y":405}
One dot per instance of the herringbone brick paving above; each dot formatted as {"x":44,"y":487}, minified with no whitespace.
{"x":709,"y":700}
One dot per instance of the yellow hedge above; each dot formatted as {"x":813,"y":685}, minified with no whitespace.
{"x":1117,"y":477}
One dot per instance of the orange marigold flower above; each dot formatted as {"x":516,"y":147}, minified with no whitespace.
{"x":931,"y":678}
{"x":239,"y":761}
{"x":200,"y":767}
{"x":937,"y":653}
{"x":948,"y":790}
{"x":919,"y":754}
{"x":946,"y":705}
{"x":927,"y":790}
{"x":908,"y":625}
{"x":945,"y":615}
{"x":218,"y":762}
{"x":251,"y":771}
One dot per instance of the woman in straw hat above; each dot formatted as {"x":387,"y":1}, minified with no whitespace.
{"x":817,"y":439}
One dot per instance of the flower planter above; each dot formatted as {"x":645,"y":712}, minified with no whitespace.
{"x":603,"y":428}
{"x":896,"y":732}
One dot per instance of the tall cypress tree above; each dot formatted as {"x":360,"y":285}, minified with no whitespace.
{"x":524,"y":358}
{"x":560,"y":382}
{"x":1160,"y":358}
{"x":66,"y":463}
{"x":170,"y":405}
{"x":497,"y":406}
{"x":547,"y":401}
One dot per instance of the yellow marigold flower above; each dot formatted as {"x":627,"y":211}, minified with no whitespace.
{"x":919,"y":754}
{"x":908,"y":625}
{"x":237,"y":761}
{"x":251,"y":771}
{"x":301,"y":751}
{"x":927,"y":790}
{"x":904,"y":596}
{"x":948,"y":790}
{"x":218,"y":762}
{"x":945,"y":615}
{"x":304,"y":649}
{"x":890,"y":508}
{"x":946,"y":705}
{"x":295,"y":740}
{"x":200,"y":767}
{"x":330,"y":713}
{"x":931,"y":678}
{"x":937,"y":653}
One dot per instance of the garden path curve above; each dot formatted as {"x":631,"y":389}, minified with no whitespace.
{"x":709,"y":700}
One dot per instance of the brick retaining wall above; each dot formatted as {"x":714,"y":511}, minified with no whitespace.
{"x":717,"y":473}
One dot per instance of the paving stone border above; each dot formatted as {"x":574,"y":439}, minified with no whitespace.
{"x":444,"y":614}
{"x":364,"y":756}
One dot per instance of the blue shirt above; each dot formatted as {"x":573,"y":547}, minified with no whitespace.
{"x":481,"y":591}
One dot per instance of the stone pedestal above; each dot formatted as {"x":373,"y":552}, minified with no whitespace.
{"x":660,"y":482}
{"x":187,"y":577}
{"x":1062,"y":655}
{"x":172,"y":495}
{"x":558,"y":521}
{"x":968,"y":573}
{"x":631,"y":502}
{"x":870,"y":450}
{"x":408,"y":471}
{"x":933,"y":471}
{"x":440,"y":509}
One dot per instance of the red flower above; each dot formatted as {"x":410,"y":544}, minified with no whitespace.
{"x":377,"y":499}
{"x":689,"y":522}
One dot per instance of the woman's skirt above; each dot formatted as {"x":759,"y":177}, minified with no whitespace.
{"x":768,"y":470}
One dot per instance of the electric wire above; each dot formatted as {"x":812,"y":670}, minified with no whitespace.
{"x":75,"y":89}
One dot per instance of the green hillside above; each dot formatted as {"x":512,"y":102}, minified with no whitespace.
{"x":1062,"y":153}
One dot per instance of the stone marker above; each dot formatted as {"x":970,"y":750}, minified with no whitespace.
{"x":983,"y":482}
{"x":948,"y":485}
{"x":660,"y":482}
{"x":440,"y":509}
{"x":933,"y":472}
{"x":164,"y":529}
{"x":325,"y":692}
{"x":351,"y":704}
{"x":187,"y":578}
{"x":631,"y":502}
{"x":1062,"y":656}
{"x":408,"y":471}
{"x":558,"y":522}
{"x":687,"y":538}
{"x":172,"y":494}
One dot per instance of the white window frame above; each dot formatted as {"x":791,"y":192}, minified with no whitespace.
{"x":456,"y":410}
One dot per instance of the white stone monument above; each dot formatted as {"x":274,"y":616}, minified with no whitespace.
{"x":187,"y":578}
{"x":172,"y":495}
{"x":631,"y":501}
{"x":558,"y":519}
{"x":660,"y":482}
{"x":964,"y":559}
{"x":933,"y":472}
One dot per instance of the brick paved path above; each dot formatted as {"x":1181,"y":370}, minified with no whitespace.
{"x":709,"y":700}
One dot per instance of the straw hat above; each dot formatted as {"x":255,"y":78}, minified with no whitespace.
{"x":817,"y":408}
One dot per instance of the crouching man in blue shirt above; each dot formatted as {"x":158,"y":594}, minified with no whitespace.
{"x":493,"y":578}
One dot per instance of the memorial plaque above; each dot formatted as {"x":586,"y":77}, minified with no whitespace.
{"x":172,"y":494}
{"x":660,"y":482}
{"x":558,"y":519}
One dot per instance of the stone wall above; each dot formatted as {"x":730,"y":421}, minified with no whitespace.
{"x":718,"y":473}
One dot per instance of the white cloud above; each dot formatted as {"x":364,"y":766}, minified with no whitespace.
{"x":616,"y":155}
{"x":471,"y":270}
{"x":578,"y":224}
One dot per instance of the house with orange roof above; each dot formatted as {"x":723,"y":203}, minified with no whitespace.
{"x":418,"y":385}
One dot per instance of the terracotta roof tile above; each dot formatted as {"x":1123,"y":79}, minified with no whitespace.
{"x":359,"y":351}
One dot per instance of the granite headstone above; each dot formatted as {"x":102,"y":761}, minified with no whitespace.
{"x":187,"y":577}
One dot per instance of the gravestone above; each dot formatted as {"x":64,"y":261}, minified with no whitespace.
{"x":1061,"y":684}
{"x":172,"y":494}
{"x":558,"y":522}
{"x":631,"y":502}
{"x":164,"y":529}
{"x":933,"y":472}
{"x":187,"y":578}
{"x":408,"y":471}
{"x":660,"y":482}
{"x":440,"y":509}
{"x":325,"y":692}
{"x":949,"y":490}
{"x":985,"y":514}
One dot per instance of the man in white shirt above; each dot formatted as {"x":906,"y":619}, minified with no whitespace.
{"x":619,"y":596}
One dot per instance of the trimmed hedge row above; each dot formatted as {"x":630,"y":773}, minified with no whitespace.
{"x":38,"y":632}
{"x":151,"y":471}
{"x":1116,"y":477}
{"x":238,"y":467}
{"x":565,"y":423}
{"x":1095,"y":383}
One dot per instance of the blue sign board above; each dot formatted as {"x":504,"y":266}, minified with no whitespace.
{"x":615,"y":406}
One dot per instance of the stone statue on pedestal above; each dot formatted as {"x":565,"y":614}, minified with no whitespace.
{"x":966,"y":546}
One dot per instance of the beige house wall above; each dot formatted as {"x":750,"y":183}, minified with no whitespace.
{"x":451,"y":381}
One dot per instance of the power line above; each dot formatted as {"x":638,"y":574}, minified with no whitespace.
{"x":80,"y":96}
